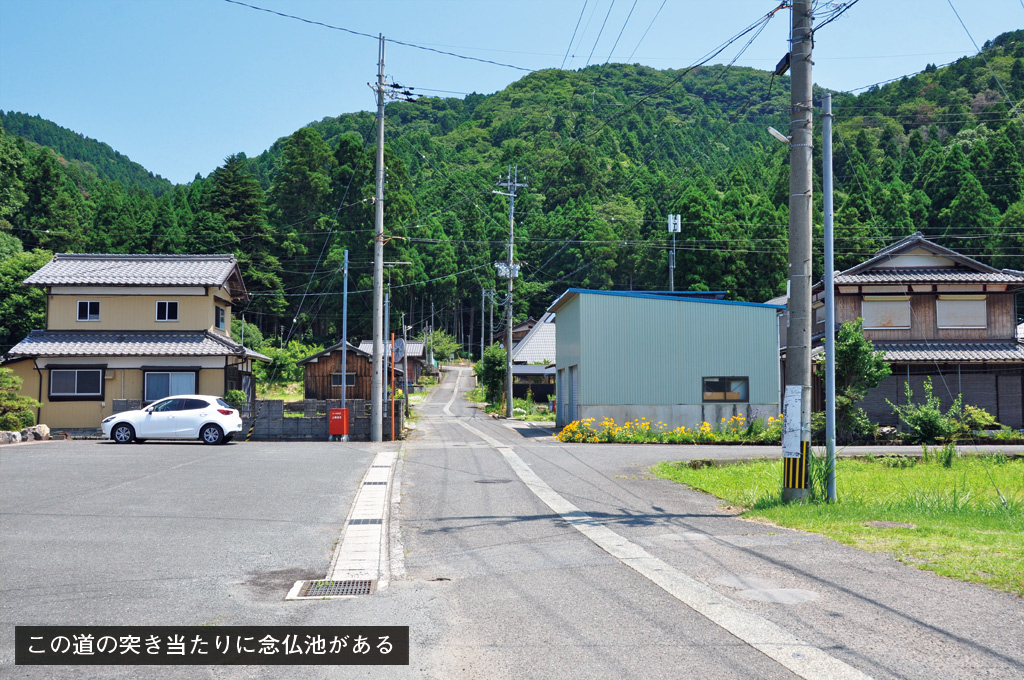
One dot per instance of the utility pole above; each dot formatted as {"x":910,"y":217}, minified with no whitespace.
{"x":674,"y":224}
{"x":483,"y":298}
{"x":830,"y":300}
{"x":490,"y":317}
{"x":377,"y":381}
{"x":797,"y":404}
{"x":405,"y":362}
{"x":394,"y":91}
{"x":510,"y":270}
{"x":344,"y":339}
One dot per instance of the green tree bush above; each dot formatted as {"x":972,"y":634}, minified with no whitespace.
{"x":491,"y":371}
{"x":15,"y":409}
{"x":859,"y":368}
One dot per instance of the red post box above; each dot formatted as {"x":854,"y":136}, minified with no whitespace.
{"x":337,"y":422}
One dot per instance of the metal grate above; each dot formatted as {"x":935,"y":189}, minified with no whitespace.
{"x":494,"y":481}
{"x":374,"y":483}
{"x":380,"y":466}
{"x":336,"y":588}
{"x":364,"y":521}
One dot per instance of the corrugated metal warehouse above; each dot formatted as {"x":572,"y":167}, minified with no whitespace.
{"x":666,"y":357}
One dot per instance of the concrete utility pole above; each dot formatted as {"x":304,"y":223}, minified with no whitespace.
{"x":405,"y":362}
{"x":830,"y":300}
{"x":377,"y":382}
{"x":797,"y":405}
{"x":510,"y":270}
{"x":344,"y":338}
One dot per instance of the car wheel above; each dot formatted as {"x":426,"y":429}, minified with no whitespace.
{"x":212,"y":434}
{"x":123,"y":433}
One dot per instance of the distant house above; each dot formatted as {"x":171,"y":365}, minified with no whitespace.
{"x":940,"y":314}
{"x":324,"y":376}
{"x":519,"y":332}
{"x":135,"y":327}
{"x":664,"y":357}
{"x":414,"y":350}
{"x":533,"y":361}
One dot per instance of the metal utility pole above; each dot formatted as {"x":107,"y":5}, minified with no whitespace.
{"x":405,"y":362}
{"x":511,"y":270}
{"x":483,"y":298}
{"x":830,"y":300}
{"x":797,"y":405}
{"x":377,"y":381}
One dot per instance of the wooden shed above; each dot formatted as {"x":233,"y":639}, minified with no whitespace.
{"x":324,"y":375}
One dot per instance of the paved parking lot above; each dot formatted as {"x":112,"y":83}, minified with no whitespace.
{"x":163,"y":533}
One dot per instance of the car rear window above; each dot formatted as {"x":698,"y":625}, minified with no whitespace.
{"x":224,"y":403}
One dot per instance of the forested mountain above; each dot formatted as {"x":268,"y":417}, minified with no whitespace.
{"x":83,"y":155}
{"x":607,"y":152}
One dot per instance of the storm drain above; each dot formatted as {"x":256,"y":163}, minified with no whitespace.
{"x":494,"y":481}
{"x":375,"y":483}
{"x":336,"y":588}
{"x":364,"y":521}
{"x":380,"y":466}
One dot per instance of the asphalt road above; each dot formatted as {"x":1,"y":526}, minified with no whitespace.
{"x":514,"y":556}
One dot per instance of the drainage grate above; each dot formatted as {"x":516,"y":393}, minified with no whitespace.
{"x":380,"y":466}
{"x":494,"y":481}
{"x":336,"y":588}
{"x":375,"y":483}
{"x":364,"y":521}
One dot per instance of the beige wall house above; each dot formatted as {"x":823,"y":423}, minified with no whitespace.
{"x":138,"y":327}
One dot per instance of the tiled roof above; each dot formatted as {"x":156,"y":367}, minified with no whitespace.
{"x":417,"y":348}
{"x":136,"y":270}
{"x":910,"y":352}
{"x":538,"y":344}
{"x":333,"y":348}
{"x":119,"y":344}
{"x":927,"y":275}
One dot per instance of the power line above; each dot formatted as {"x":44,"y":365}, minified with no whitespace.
{"x":391,"y":40}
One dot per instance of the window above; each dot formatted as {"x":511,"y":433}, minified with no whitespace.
{"x":160,"y":384}
{"x":350,"y":379}
{"x":886,"y":311}
{"x":726,"y":389}
{"x":88,"y":310}
{"x":218,"y":317}
{"x":78,"y":383}
{"x":961,"y":311}
{"x":166,"y":310}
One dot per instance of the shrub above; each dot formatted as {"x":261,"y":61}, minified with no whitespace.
{"x":237,"y":398}
{"x":15,"y":409}
{"x":926,"y":422}
{"x":9,"y":422}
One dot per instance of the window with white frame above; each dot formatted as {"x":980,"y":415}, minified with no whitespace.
{"x":219,"y":317}
{"x":166,"y":310}
{"x":76,"y":383}
{"x":961,"y":311}
{"x":886,"y":312}
{"x":88,"y":310}
{"x":160,"y":384}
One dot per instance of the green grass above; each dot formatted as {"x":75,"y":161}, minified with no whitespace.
{"x":283,"y":391}
{"x":968,"y":519}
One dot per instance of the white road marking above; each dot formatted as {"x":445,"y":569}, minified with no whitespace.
{"x":778,"y":644}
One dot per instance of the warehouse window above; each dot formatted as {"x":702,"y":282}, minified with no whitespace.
{"x":726,"y":389}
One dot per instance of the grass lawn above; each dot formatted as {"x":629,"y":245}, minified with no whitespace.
{"x":967,"y":520}
{"x":283,"y":391}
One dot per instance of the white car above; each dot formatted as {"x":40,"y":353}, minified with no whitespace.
{"x":183,"y":416}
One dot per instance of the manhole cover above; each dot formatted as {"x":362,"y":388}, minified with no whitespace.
{"x":336,"y":588}
{"x":494,"y":481}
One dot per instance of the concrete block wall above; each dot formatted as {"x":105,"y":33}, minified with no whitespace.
{"x":271,"y":424}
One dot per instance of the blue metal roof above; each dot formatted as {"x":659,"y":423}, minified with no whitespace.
{"x":676,"y":297}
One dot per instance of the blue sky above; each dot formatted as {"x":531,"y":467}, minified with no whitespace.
{"x":178,"y":85}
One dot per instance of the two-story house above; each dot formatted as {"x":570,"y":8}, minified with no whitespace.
{"x":136,"y":327}
{"x":939,"y":314}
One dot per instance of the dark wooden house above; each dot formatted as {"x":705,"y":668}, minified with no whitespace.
{"x":324,"y":375}
{"x":936,"y":314}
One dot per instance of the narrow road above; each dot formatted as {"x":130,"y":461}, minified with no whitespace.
{"x":539,"y":559}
